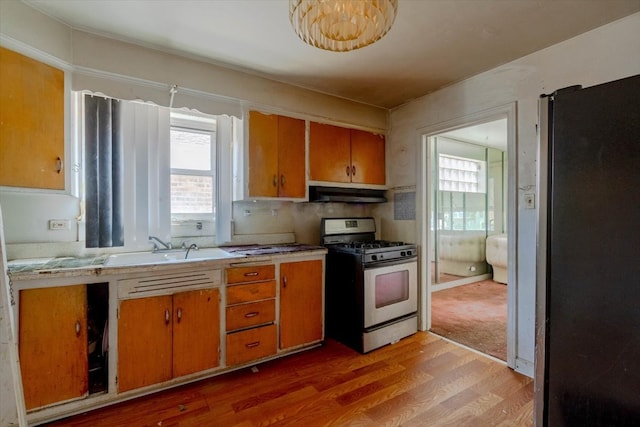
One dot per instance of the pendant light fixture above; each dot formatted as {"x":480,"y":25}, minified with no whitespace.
{"x":342,"y":25}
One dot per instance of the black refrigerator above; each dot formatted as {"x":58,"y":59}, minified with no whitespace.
{"x":588,"y":257}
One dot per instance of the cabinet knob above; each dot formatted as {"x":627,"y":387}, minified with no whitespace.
{"x":60,"y":165}
{"x":348,"y":170}
{"x":167,"y":316}
{"x":281,"y":180}
{"x":275,"y":180}
{"x":78,"y":328}
{"x":353,"y":171}
{"x":179,"y":314}
{"x":284,"y":281}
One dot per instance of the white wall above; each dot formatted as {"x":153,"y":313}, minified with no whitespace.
{"x":604,"y":54}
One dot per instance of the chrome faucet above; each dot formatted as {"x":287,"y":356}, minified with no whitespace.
{"x":155,"y":246}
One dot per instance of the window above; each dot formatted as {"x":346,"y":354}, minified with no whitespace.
{"x":462,"y":192}
{"x":460,"y":174}
{"x":175,"y":174}
{"x":193,"y":174}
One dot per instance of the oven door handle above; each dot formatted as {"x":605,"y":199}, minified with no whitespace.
{"x":378,"y":264}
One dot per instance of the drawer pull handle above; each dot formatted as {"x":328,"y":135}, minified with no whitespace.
{"x":252,"y":344}
{"x":179,"y":315}
{"x":250,"y":274}
{"x":284,"y":281}
{"x":167,"y":317}
{"x":275,"y":180}
{"x":59,"y":165}
{"x":348,"y":170}
{"x":353,"y":171}
{"x":77,"y":328}
{"x":252,"y":314}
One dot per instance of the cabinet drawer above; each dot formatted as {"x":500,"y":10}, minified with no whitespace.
{"x":251,"y":344}
{"x":246,"y":315}
{"x":251,"y":292}
{"x":255,"y":273}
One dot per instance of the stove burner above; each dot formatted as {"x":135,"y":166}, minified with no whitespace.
{"x":377,"y":244}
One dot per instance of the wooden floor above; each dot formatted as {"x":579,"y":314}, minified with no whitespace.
{"x":421,"y":381}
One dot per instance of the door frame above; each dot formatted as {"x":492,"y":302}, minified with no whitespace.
{"x":423,"y":208}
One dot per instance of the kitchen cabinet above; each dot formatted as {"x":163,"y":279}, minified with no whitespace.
{"x":250,"y":313}
{"x":277,"y":167}
{"x":53,"y":344}
{"x":31,"y":123}
{"x":301,"y":302}
{"x":342,"y":155}
{"x":167,"y":336}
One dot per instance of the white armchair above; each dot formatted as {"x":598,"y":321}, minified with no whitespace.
{"x":497,"y":256}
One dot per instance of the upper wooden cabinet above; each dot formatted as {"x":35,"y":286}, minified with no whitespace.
{"x":31,"y":123}
{"x":345,"y":155}
{"x":276,"y":156}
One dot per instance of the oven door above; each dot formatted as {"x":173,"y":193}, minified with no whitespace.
{"x":390,"y":291}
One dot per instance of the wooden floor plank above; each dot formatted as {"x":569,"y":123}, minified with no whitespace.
{"x":422,"y":380}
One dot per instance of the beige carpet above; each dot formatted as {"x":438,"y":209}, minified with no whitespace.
{"x":474,"y":315}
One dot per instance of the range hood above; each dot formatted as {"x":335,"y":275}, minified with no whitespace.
{"x":346,"y":195}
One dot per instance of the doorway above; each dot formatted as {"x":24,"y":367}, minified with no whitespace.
{"x":468,"y":204}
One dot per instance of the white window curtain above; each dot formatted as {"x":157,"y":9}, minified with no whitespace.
{"x":145,"y":130}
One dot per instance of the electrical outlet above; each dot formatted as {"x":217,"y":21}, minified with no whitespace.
{"x":530,"y":201}
{"x":59,"y":224}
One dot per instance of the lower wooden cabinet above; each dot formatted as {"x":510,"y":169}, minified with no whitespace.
{"x":250,"y":313}
{"x":53,"y":344}
{"x":251,"y":344}
{"x":301,"y":305}
{"x":163,"y":337}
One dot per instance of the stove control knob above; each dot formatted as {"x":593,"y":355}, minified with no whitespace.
{"x":403,"y":253}
{"x":409,"y":253}
{"x":374,"y":257}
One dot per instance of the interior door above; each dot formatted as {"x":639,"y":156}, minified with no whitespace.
{"x":53,"y":344}
{"x":196,"y":331}
{"x":144,"y":342}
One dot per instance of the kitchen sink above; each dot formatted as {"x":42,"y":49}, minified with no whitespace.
{"x":165,"y":257}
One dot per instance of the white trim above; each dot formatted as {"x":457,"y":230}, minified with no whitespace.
{"x":133,"y":88}
{"x":423,"y":209}
{"x":32,"y":52}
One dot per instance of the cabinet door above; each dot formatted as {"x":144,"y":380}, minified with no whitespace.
{"x":367,"y":158}
{"x":263,"y":155}
{"x":300,"y":303}
{"x":31,"y":122}
{"x":144,"y":342}
{"x":196,"y":331}
{"x":291,"y":157}
{"x":53,"y":344}
{"x":329,"y":153}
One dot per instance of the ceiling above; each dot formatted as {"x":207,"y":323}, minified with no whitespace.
{"x":432,"y":44}
{"x":491,"y":134}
